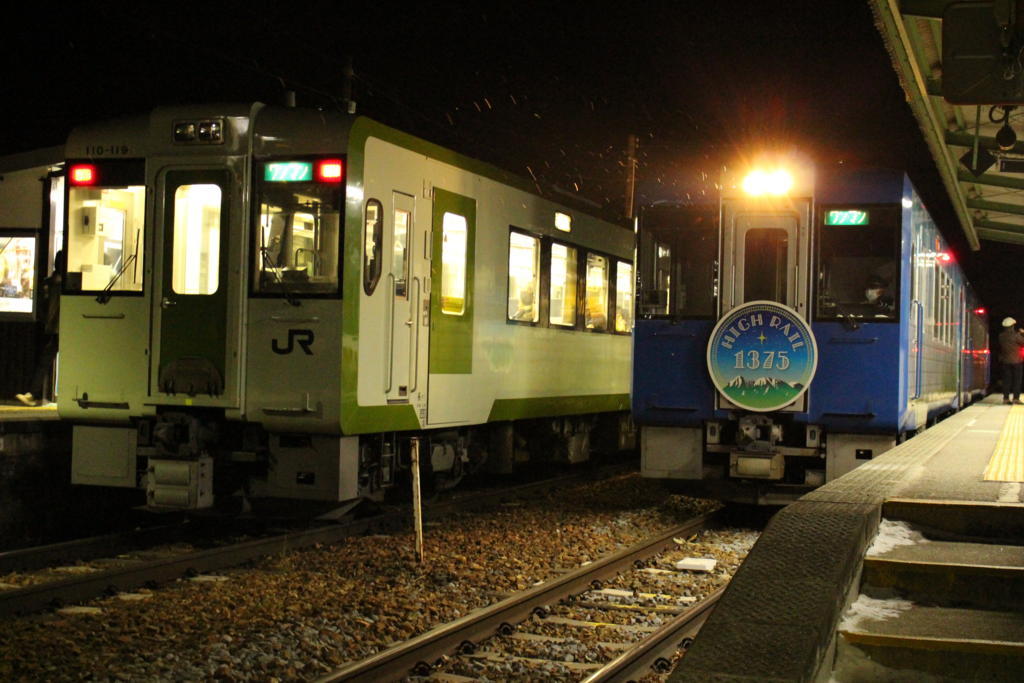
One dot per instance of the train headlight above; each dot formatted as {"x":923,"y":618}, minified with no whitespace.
{"x":775,"y":183}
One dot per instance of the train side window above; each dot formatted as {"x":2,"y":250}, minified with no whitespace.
{"x":373,"y":240}
{"x":623,"y":296}
{"x":523,"y":277}
{"x":454,"y":238}
{"x":562,"y":291}
{"x":400,"y":248}
{"x":595,"y":304}
{"x":106,"y":229}
{"x":195,"y":267}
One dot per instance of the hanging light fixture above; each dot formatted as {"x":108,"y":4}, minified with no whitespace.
{"x":1006,"y":138}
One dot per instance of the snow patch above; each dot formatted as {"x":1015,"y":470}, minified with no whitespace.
{"x":893,"y":535}
{"x":870,"y":609}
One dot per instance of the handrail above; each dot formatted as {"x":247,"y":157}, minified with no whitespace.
{"x":414,"y":316}
{"x":389,"y":332}
{"x":920,"y":348}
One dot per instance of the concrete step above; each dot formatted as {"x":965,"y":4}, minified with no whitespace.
{"x":960,"y":520}
{"x":905,"y":561}
{"x":947,"y":642}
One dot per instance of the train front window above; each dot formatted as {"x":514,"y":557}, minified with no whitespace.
{"x":858,"y":276}
{"x":106,"y":227}
{"x":297,"y":231}
{"x":677,"y":262}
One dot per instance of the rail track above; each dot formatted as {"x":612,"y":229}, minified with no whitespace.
{"x":154,"y":568}
{"x":500,"y":636}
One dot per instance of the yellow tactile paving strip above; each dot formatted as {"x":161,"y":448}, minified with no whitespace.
{"x":1007,"y":461}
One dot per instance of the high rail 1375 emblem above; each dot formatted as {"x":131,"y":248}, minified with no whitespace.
{"x":762,"y":356}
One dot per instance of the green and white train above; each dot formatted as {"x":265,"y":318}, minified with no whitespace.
{"x":271,"y":302}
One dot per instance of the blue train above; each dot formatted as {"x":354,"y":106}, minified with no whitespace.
{"x":807,"y":323}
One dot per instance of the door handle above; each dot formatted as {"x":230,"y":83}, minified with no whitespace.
{"x":167,"y":302}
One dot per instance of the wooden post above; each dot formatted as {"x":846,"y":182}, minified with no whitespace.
{"x":417,"y":501}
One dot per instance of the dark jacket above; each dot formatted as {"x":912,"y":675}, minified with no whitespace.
{"x":1010,"y":343}
{"x":52,"y":301}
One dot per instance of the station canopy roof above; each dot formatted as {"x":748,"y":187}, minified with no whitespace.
{"x":961,"y":64}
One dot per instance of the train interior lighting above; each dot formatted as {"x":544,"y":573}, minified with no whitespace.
{"x":563,"y":221}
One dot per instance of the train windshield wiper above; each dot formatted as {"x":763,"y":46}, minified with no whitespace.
{"x":104,"y":296}
{"x":269,"y":265}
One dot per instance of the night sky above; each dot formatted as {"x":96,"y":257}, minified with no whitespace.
{"x":550,"y":90}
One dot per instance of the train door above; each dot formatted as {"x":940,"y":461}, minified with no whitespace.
{"x":194,"y":354}
{"x":765,"y":254}
{"x":916,"y":326}
{"x":453,"y":236}
{"x":405,"y":287}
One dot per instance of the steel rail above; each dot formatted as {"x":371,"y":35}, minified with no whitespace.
{"x":37,"y":557}
{"x":84,"y":587}
{"x":654,"y":653}
{"x":397,"y":661}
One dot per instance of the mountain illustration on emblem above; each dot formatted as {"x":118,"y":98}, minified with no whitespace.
{"x":761,"y":392}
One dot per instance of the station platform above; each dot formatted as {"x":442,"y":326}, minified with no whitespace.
{"x":26,"y":429}
{"x":910,"y":567}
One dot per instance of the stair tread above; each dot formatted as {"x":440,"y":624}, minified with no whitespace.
{"x":933,"y":626}
{"x":956,"y":553}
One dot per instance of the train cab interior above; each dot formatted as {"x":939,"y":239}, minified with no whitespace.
{"x":298,"y":232}
{"x":858,"y":253}
{"x":678,"y":262}
{"x":106,"y":229}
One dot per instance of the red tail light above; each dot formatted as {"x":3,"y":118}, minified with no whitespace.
{"x":330,"y":170}
{"x":83,"y":174}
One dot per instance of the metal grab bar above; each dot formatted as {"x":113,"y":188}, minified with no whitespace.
{"x":920,"y":349}
{"x":414,"y":313}
{"x":389,"y":332}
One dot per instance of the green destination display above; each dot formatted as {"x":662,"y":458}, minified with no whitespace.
{"x":846,"y":217}
{"x":288,"y":171}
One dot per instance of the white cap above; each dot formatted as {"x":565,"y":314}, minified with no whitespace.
{"x":1008,"y":321}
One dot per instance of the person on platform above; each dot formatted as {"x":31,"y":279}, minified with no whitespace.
{"x":50,"y":305}
{"x":1011,"y":341}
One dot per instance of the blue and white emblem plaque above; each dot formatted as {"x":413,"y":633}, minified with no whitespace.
{"x":762,"y":356}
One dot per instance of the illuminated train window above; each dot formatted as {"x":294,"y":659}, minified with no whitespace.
{"x":106,"y":227}
{"x":523,"y":277}
{"x":623,"y":296}
{"x":196,"y":262}
{"x":454,"y":236}
{"x":373,"y":236}
{"x":563,"y":285}
{"x":595,"y":305}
